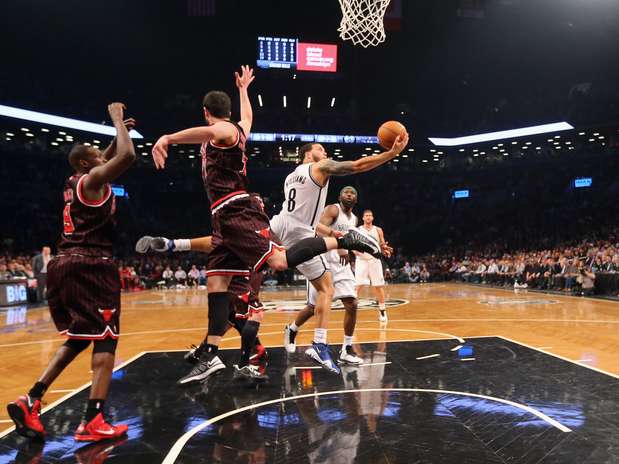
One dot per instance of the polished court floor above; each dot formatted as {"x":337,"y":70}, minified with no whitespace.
{"x":459,"y":374}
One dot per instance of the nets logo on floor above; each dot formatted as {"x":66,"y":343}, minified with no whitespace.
{"x":298,"y":305}
{"x":517,"y":301}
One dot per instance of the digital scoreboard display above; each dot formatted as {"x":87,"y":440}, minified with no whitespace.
{"x":288,"y":53}
{"x":315,"y":138}
{"x":460,"y":194}
{"x":583,"y":182}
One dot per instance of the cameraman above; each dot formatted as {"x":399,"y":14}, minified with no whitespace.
{"x":586,"y":279}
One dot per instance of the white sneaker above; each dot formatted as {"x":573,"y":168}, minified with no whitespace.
{"x":289,"y":338}
{"x":348,"y":356}
{"x":382,"y":315}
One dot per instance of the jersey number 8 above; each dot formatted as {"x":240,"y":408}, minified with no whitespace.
{"x":292,"y":194}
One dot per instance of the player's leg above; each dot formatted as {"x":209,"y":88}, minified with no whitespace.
{"x":292,"y":330}
{"x":319,"y":351}
{"x":307,"y":248}
{"x":377,"y":281}
{"x":348,"y":354}
{"x":219,"y":306}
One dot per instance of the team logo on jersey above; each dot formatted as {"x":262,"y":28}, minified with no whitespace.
{"x":298,"y":305}
{"x":516,"y":301}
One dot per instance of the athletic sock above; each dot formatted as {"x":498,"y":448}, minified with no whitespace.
{"x":95,"y":406}
{"x":347,"y":341}
{"x":294,"y":327}
{"x":248,"y":338}
{"x":382,"y":306}
{"x":37,"y":391}
{"x":304,"y":250}
{"x":320,"y":335}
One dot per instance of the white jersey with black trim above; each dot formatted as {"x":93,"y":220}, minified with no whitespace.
{"x":304,"y":198}
{"x":343,"y":223}
{"x":373,"y":232}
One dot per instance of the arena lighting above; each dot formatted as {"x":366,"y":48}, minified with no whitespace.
{"x":70,"y":123}
{"x":332,"y":102}
{"x":500,"y":135}
{"x":260,"y":100}
{"x":309,"y":102}
{"x":284,"y":101}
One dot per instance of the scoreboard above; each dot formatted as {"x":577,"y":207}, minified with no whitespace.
{"x":289,"y":53}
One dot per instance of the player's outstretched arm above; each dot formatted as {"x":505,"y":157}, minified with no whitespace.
{"x":110,"y":151}
{"x":328,"y":167}
{"x":121,"y":161}
{"x":385,"y":249}
{"x":194,"y":135}
{"x":242,"y":83}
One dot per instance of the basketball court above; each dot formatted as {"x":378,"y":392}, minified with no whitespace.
{"x":464,"y":373}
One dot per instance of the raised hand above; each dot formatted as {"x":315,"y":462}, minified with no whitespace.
{"x":246,"y":77}
{"x":129,"y":123}
{"x":160,"y":152}
{"x":399,"y":144}
{"x":116,"y":111}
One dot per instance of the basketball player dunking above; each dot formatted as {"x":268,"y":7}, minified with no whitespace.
{"x":305,"y":193}
{"x":83,"y":285}
{"x":369,"y":269}
{"x":242,"y":239}
{"x":341,"y":218}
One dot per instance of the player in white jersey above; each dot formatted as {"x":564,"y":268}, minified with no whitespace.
{"x":305,"y":192}
{"x":340,"y":218}
{"x":368,"y":269}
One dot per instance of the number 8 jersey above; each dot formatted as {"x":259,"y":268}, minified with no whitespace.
{"x":304,"y":197}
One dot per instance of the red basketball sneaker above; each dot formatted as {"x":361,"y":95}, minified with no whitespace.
{"x":97,"y":429}
{"x":26,"y":416}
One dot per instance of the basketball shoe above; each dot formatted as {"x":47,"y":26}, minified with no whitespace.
{"x":259,"y":355}
{"x":289,"y":337}
{"x":209,"y":364}
{"x":98,"y":429}
{"x":26,"y":414}
{"x":320,"y":353}
{"x":250,"y":374}
{"x":359,"y":241}
{"x":348,"y":356}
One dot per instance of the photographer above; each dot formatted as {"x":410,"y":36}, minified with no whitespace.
{"x":586,"y":279}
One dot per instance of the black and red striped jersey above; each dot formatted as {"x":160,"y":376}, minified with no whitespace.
{"x":224,"y":168}
{"x":88,"y":226}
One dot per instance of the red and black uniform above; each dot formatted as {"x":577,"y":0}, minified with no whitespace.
{"x":83,"y":283}
{"x":242,"y":239}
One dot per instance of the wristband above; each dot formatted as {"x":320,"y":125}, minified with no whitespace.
{"x":181,"y":244}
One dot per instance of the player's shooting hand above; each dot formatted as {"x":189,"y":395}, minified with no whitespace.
{"x":246,"y":77}
{"x":116,"y":111}
{"x":399,"y":144}
{"x":160,"y":152}
{"x":129,"y":123}
{"x":386,"y":250}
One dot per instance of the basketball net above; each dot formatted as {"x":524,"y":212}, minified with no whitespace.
{"x":362,"y":21}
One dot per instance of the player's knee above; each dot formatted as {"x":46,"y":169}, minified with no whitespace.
{"x":77,"y":345}
{"x":107,"y":345}
{"x":277,"y":261}
{"x":352,"y":306}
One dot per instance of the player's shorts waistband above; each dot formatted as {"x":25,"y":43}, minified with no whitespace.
{"x":227,"y":199}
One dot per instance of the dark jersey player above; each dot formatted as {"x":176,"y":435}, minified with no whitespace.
{"x":83,"y":284}
{"x":242,"y":240}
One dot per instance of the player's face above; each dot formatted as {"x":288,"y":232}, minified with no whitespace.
{"x":368,"y":218}
{"x":318,"y":153}
{"x":348,"y":198}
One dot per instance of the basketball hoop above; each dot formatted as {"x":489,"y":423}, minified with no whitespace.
{"x":362,"y":21}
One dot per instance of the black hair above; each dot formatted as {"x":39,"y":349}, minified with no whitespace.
{"x":304,"y":149}
{"x":217,"y":103}
{"x":368,"y":211}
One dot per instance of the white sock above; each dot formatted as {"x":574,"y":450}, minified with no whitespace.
{"x":348,"y":340}
{"x":381,"y":306}
{"x":320,"y":335}
{"x":294,"y":327}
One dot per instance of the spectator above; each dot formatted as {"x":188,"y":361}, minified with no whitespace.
{"x":168,"y":276}
{"x":181,"y":276}
{"x":39,"y":267}
{"x":193,"y":276}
